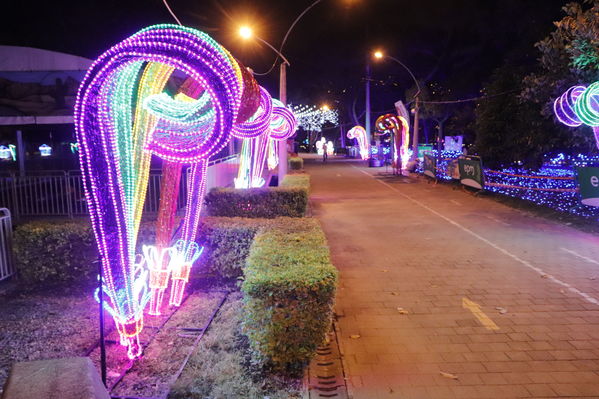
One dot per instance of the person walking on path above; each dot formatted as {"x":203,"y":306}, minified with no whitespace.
{"x":325,"y":152}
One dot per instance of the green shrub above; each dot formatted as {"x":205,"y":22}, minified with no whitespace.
{"x":48,"y":253}
{"x":227,"y":243}
{"x":301,"y":181}
{"x":291,"y":200}
{"x":61,"y":252}
{"x":296,"y":163}
{"x":289,"y":291}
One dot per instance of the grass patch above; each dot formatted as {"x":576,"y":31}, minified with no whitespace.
{"x":218,"y":368}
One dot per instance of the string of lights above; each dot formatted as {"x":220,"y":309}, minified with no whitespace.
{"x":312,"y":119}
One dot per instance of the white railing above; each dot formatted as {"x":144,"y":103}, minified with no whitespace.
{"x":60,"y":193}
{"x":7,"y":267}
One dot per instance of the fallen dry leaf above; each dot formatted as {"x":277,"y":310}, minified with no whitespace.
{"x":402,"y":311}
{"x":544,"y":275}
{"x":394,"y":293}
{"x":501,"y":310}
{"x":354,"y":336}
{"x":448,"y":375}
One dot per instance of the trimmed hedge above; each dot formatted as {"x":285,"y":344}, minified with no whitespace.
{"x":48,"y":253}
{"x":61,"y":252}
{"x":227,"y":243}
{"x":289,"y":291}
{"x":291,"y":200}
{"x":296,"y":163}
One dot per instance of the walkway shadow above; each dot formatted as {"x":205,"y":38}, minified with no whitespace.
{"x":388,"y":177}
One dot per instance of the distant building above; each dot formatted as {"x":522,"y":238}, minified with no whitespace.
{"x":37,"y":95}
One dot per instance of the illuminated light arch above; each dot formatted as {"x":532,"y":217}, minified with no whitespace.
{"x":359,"y":133}
{"x":121,"y":118}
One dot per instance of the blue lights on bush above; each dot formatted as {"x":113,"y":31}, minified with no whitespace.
{"x":553,"y":185}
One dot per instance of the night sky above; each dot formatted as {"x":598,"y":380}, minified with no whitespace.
{"x":455,"y":44}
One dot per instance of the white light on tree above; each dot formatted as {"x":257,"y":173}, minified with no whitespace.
{"x":312,"y":119}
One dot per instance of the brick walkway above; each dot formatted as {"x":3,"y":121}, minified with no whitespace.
{"x":435,"y":280}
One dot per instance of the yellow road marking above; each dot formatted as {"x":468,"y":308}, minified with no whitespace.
{"x":479,"y":314}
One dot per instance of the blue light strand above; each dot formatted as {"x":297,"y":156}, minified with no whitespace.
{"x":541,"y":187}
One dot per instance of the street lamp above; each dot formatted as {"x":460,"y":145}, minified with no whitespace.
{"x":380,"y":55}
{"x":247,"y":33}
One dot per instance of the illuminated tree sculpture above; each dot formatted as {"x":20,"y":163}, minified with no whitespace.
{"x":392,"y":124}
{"x":122,"y":117}
{"x":579,"y":105}
{"x":359,"y":133}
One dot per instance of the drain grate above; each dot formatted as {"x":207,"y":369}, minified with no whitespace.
{"x":325,"y":374}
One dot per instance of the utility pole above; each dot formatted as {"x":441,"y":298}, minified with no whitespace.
{"x":416,"y":132}
{"x":283,"y":143}
{"x":367,"y":119}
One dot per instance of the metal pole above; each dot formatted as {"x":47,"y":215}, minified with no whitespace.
{"x":367,"y":119}
{"x":102,"y":344}
{"x":283,"y":143}
{"x":20,"y":153}
{"x":416,"y":138}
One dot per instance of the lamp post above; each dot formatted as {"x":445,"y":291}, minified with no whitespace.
{"x":380,"y":55}
{"x":246,"y":33}
{"x":367,"y":103}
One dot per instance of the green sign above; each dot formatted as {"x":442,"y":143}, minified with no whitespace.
{"x":422,"y":148}
{"x":471,"y":172}
{"x":430,"y":165}
{"x":588,"y":180}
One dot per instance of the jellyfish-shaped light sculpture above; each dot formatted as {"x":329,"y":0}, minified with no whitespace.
{"x":254,"y":134}
{"x":579,"y":105}
{"x":399,"y":130}
{"x":283,"y":125}
{"x":359,"y":134}
{"x":255,"y":150}
{"x":122,"y":116}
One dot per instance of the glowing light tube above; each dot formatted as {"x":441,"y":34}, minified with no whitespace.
{"x":359,"y":133}
{"x":121,"y":117}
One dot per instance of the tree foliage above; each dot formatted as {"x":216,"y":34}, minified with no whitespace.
{"x":521,"y":126}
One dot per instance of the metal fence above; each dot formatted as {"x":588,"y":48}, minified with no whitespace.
{"x":60,"y":193}
{"x":7,"y":267}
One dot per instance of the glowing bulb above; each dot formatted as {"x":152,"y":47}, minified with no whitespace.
{"x":378,"y":54}
{"x":246,"y":32}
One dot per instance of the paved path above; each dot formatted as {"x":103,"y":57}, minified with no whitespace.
{"x":505,"y":301}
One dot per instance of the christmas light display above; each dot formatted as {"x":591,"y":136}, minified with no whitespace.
{"x":254,"y":151}
{"x":45,"y":150}
{"x":320,"y":146}
{"x":255,"y":140}
{"x":579,"y":105}
{"x":312,"y":119}
{"x":553,"y":185}
{"x":122,"y":117}
{"x":359,"y":134}
{"x":6,"y":153}
{"x":395,"y":126}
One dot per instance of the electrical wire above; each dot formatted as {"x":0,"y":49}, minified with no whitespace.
{"x":171,"y":12}
{"x":469,"y":99}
